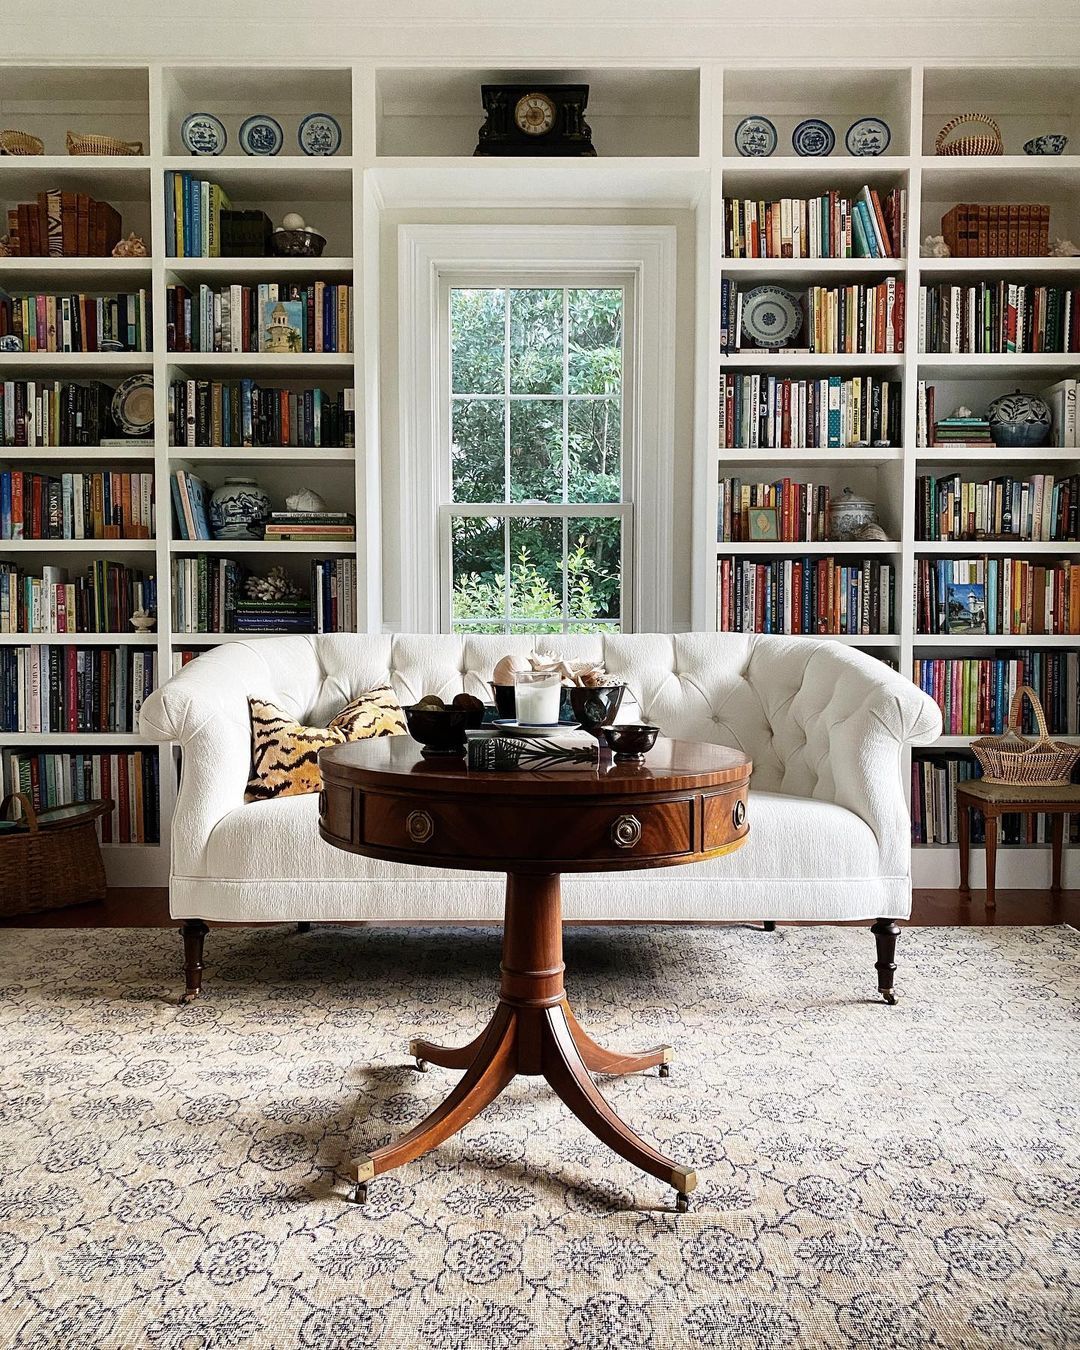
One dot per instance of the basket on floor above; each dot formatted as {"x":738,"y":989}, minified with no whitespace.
{"x":989,"y":142}
{"x":49,"y":864}
{"x":101,"y":145}
{"x":1012,"y":758}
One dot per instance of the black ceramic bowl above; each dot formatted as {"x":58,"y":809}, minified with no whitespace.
{"x":596,"y":708}
{"x":633,"y":740}
{"x":441,"y":731}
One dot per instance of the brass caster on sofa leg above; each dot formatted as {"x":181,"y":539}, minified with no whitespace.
{"x":188,"y":996}
{"x":682,"y":1202}
{"x":422,"y":1066}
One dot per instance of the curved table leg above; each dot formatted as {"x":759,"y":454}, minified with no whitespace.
{"x":445,"y":1056}
{"x":598,"y":1060}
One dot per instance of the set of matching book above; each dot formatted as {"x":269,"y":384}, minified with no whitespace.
{"x":103,"y":505}
{"x":131,"y":780}
{"x":975,"y":696}
{"x":795,"y":511}
{"x":868,"y":225}
{"x":1002,"y":230}
{"x":241,"y":412}
{"x":1041,"y":507}
{"x":101,"y":601}
{"x":273,"y":317}
{"x":761,"y":411}
{"x":999,"y":317}
{"x":1006,"y":596}
{"x":60,"y":224}
{"x":805,"y":595}
{"x":77,"y":323}
{"x":854,"y":320}
{"x":46,"y":689}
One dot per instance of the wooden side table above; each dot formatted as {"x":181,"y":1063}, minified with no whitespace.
{"x":995,"y":800}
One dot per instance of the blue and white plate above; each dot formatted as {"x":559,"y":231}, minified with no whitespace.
{"x":203,"y":134}
{"x":813,"y":137}
{"x":868,"y":136}
{"x":755,"y":136}
{"x":319,"y":134}
{"x":261,"y":135}
{"x":771,"y":316}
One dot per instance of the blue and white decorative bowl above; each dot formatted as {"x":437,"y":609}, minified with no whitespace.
{"x":261,"y":135}
{"x":772,"y":316}
{"x":319,"y":134}
{"x":1018,"y":420}
{"x":868,"y":136}
{"x":813,"y":137}
{"x":755,"y":136}
{"x":1053,"y":143}
{"x":203,"y":134}
{"x":239,"y":510}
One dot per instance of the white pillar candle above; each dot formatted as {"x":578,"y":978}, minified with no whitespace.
{"x":537,"y":695}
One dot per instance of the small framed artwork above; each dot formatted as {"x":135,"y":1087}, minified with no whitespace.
{"x":763,"y":527}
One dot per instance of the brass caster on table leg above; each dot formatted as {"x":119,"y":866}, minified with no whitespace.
{"x":682,"y":1202}
{"x":365,"y":1170}
{"x":422,"y":1066}
{"x":664,"y":1071}
{"x":358,"y":1194}
{"x":889,"y":997}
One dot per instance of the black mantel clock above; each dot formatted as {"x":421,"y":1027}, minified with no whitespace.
{"x":535,"y":119}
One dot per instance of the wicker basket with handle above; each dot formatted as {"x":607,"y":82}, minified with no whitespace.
{"x":101,"y":145}
{"x":982,"y":144}
{"x":50,"y":864}
{"x":1012,"y":758}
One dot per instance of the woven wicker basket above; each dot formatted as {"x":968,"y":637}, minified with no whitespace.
{"x":1012,"y":758}
{"x":47,"y":866}
{"x":20,"y":143}
{"x":983,"y":144}
{"x":101,"y":145}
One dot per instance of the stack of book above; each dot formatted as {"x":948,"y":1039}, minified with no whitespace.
{"x":277,"y":317}
{"x":333,"y":595}
{"x":240,"y":412}
{"x":57,"y":412}
{"x":63,"y":225}
{"x":189,"y":497}
{"x":964,"y":596}
{"x":770,"y":412}
{"x":103,"y":505}
{"x":805,"y":595}
{"x":131,"y":780}
{"x":102,"y":601}
{"x":975,"y":696}
{"x":968,"y":430}
{"x":1019,"y":230}
{"x":801,"y":510}
{"x":994,"y":317}
{"x":193,"y":208}
{"x":77,"y":323}
{"x":829,"y":226}
{"x":272,"y":616}
{"x":324,"y":527}
{"x":1039,"y":508}
{"x":74,"y":689}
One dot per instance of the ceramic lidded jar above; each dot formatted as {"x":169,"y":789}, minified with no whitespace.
{"x":239,"y":510}
{"x":848,"y":513}
{"x":1019,"y":420}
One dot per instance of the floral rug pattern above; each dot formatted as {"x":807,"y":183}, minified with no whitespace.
{"x":175,"y":1177}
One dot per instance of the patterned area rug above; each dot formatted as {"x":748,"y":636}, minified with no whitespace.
{"x":174,"y":1177}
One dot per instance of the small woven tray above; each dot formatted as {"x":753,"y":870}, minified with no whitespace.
{"x":989,"y":142}
{"x":101,"y":145}
{"x":1013,"y":758}
{"x":20,"y":143}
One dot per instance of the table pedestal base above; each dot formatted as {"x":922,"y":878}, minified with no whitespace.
{"x":533,"y":1031}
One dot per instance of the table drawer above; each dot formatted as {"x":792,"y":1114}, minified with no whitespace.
{"x":559,"y":833}
{"x":724,"y":817}
{"x":336,"y":811}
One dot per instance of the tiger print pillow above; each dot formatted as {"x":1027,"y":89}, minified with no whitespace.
{"x":285,"y":753}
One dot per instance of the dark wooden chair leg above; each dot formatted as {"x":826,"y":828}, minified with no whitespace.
{"x":768,"y":925}
{"x":1057,"y":838}
{"x":885,"y":932}
{"x":303,"y":927}
{"x":194,"y":933}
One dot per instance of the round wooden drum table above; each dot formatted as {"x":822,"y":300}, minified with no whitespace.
{"x":683,"y":803}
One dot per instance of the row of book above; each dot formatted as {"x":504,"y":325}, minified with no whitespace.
{"x":1000,"y":596}
{"x":77,"y":323}
{"x":868,"y":225}
{"x":805,"y":595}
{"x":934,"y":818}
{"x":855,"y":320}
{"x":799,"y":511}
{"x":999,"y":317}
{"x":62,"y":225}
{"x":193,"y":208}
{"x":130,"y":780}
{"x":975,"y":696}
{"x":1041,"y":507}
{"x":1002,"y":230}
{"x":101,"y":601}
{"x":779,"y":413}
{"x":46,"y":689}
{"x":190,"y":498}
{"x":57,"y":412}
{"x":208,"y":596}
{"x":103,"y":505}
{"x":277,"y":317}
{"x":241,"y":412}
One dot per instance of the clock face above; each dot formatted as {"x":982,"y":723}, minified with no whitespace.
{"x":534,"y":114}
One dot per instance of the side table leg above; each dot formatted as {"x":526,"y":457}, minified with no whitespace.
{"x":991,"y":858}
{"x":964,"y":823}
{"x":1057,"y":836}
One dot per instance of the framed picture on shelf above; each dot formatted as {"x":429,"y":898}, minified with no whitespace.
{"x":763,"y":525}
{"x":965,"y":607}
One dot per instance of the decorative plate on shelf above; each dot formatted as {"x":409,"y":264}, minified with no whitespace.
{"x":133,"y":405}
{"x":319,"y":134}
{"x":755,"y":136}
{"x":203,"y":134}
{"x":772,"y":316}
{"x":813,"y":137}
{"x":261,"y":135}
{"x":868,"y":136}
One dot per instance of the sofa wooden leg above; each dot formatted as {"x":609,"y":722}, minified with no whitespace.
{"x":885,"y":932}
{"x":768,"y":925}
{"x":303,"y":927}
{"x":194,"y":933}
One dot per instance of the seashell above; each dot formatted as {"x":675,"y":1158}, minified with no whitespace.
{"x":870,"y":532}
{"x":134,"y":246}
{"x":305,"y":500}
{"x":934,"y":246}
{"x":506,"y":668}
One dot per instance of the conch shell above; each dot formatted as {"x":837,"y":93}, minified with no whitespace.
{"x":506,"y":669}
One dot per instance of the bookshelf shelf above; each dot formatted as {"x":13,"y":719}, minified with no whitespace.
{"x":964,"y":742}
{"x":269,"y":455}
{"x":260,"y":546}
{"x":766,"y":361}
{"x":56,"y":364}
{"x":240,"y":362}
{"x":974,"y":548}
{"x":968,"y":642}
{"x":99,"y":740}
{"x":809,"y":457}
{"x":105,"y":546}
{"x":1041,"y":269}
{"x":48,"y":454}
{"x":78,"y":639}
{"x":817,"y":270}
{"x":995,"y":455}
{"x":873,"y":548}
{"x":114,"y":273}
{"x":998,"y":364}
{"x":241,"y":268}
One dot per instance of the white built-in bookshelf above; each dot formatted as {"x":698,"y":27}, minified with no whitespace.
{"x":665,"y":137}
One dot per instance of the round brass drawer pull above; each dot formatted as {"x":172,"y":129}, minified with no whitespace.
{"x":738,"y":815}
{"x":625,"y":831}
{"x":420,"y":826}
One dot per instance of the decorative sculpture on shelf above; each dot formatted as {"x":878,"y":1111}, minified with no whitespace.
{"x":305,"y":500}
{"x":1063,"y":248}
{"x":934,"y":246}
{"x":134,"y":246}
{"x":276,"y":585}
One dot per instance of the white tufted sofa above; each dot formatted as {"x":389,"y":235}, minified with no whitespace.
{"x":825,"y":726}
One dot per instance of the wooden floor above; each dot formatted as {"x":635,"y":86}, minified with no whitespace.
{"x":148,"y":907}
